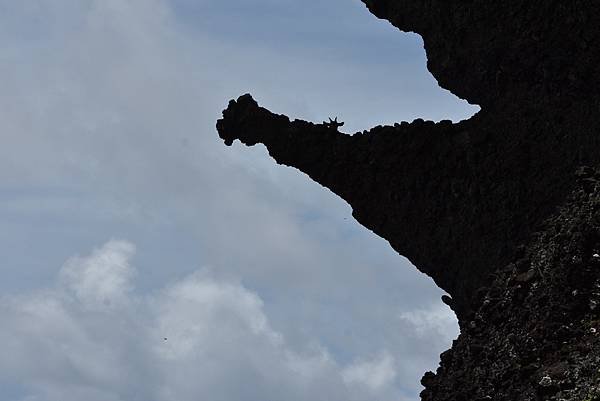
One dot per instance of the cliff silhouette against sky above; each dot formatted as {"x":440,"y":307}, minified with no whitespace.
{"x":502,"y":210}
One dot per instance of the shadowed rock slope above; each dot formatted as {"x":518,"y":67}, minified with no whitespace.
{"x":497,"y":209}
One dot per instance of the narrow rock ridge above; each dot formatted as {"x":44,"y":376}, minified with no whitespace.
{"x":471,"y":203}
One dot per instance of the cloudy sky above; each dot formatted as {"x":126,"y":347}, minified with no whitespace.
{"x":125,"y":221}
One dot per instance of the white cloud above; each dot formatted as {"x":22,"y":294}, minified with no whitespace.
{"x":375,"y":373}
{"x":198,"y":336}
{"x":436,"y":319}
{"x":103,"y":278}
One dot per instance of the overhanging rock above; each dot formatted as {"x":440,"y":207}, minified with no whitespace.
{"x":482,"y":205}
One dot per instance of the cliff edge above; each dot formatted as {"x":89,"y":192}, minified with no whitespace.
{"x":501,"y":210}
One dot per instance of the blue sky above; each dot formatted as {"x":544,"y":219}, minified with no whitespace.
{"x":126,"y":220}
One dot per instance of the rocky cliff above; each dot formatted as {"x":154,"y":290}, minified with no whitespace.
{"x":501,"y":210}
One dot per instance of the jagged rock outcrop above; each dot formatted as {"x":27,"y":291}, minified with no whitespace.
{"x":491,"y":208}
{"x":536,"y":332}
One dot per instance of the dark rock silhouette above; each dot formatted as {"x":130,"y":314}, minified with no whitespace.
{"x":497,"y":209}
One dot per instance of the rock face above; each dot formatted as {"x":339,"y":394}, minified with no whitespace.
{"x":497,"y":209}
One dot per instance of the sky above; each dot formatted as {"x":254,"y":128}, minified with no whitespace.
{"x":144,"y":260}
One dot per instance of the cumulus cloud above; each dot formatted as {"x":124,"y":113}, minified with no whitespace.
{"x":199,"y":335}
{"x":103,"y":278}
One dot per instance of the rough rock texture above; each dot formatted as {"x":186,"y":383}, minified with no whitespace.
{"x":496,"y":209}
{"x":536,"y":332}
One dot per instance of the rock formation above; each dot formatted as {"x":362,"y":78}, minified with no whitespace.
{"x":501,"y":210}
